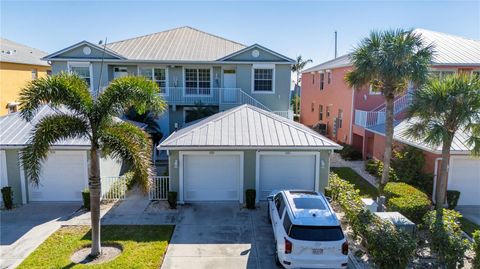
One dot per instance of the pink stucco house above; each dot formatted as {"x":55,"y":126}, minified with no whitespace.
{"x":357,"y":116}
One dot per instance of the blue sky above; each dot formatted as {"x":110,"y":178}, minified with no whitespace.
{"x":289,"y":27}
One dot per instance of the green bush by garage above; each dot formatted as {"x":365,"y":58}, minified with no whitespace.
{"x":406,"y":199}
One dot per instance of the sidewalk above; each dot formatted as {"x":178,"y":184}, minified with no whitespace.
{"x":357,"y":166}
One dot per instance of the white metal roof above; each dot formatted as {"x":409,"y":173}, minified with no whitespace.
{"x":246,"y":127}
{"x":13,"y":52}
{"x":449,"y":50}
{"x":15,"y":131}
{"x":459,"y":144}
{"x":179,"y":44}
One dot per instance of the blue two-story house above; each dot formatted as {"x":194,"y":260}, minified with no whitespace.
{"x":192,"y":68}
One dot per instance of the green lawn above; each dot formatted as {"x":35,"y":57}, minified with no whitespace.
{"x":347,"y":173}
{"x":143,"y":247}
{"x":468,"y":226}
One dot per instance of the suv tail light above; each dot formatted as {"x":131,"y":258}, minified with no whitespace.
{"x":288,"y":246}
{"x":345,"y":248}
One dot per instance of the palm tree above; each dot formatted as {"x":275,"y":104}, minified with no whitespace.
{"x":439,"y":110}
{"x":298,"y":67}
{"x":388,"y":61}
{"x":92,"y":118}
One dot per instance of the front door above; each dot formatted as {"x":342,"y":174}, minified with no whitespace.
{"x":230,"y":85}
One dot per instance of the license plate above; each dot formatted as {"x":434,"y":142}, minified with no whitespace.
{"x":317,"y":251}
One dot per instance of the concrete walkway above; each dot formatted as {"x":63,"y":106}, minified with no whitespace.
{"x":221,"y":235}
{"x":25,"y":228}
{"x":357,"y":166}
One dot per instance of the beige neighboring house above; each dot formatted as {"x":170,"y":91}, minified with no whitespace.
{"x":19,"y":64}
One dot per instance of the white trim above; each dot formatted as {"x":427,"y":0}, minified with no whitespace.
{"x":83,"y":64}
{"x":262,"y":66}
{"x":167,"y":62}
{"x":81,"y":43}
{"x":290,"y":61}
{"x":289,"y":153}
{"x":210,"y":148}
{"x":23,"y":181}
{"x":3,"y":169}
{"x":181,"y":154}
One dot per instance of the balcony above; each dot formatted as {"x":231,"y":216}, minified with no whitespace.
{"x":216,"y":97}
{"x":377,"y":116}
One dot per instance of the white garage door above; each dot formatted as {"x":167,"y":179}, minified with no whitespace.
{"x":465,"y":177}
{"x":286,"y":171}
{"x":63,"y":177}
{"x":212,"y":177}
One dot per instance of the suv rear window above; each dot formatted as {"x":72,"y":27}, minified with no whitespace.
{"x":316,"y":233}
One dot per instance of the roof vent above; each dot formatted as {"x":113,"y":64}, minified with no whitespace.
{"x":314,"y":215}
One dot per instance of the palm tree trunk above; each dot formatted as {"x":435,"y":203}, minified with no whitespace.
{"x":441,"y":184}
{"x":387,"y":156}
{"x":95,"y":191}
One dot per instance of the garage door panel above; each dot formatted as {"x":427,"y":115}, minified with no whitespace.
{"x":63,"y":177}
{"x":465,"y":177}
{"x":211,"y":177}
{"x":286,"y":172}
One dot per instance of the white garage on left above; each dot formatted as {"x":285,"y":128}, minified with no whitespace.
{"x":64,"y":174}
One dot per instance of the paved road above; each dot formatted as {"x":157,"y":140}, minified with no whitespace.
{"x":25,"y":228}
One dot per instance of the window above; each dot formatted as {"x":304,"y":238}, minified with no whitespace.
{"x":340,"y":118}
{"x":328,"y":111}
{"x":441,"y":73}
{"x":83,"y":71}
{"x":322,"y":80}
{"x":329,"y":77}
{"x":316,"y":233}
{"x":313,"y":107}
{"x":279,"y":204}
{"x":263,"y":80}
{"x":158,"y":75}
{"x":197,"y":81}
{"x":313,"y":78}
{"x":320,"y":112}
{"x":34,"y":73}
{"x":12,"y":107}
{"x":199,"y":112}
{"x":287,"y":223}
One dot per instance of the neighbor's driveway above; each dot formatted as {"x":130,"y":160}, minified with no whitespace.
{"x":25,"y":228}
{"x":221,"y":235}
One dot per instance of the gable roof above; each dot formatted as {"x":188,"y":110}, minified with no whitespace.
{"x":15,"y":131}
{"x":247,"y":127}
{"x":449,"y":50}
{"x":179,"y":44}
{"x":13,"y":52}
{"x":82,"y":43}
{"x":459,"y":144}
{"x":225,"y":58}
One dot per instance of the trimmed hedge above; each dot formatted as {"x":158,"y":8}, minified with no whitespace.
{"x":406,"y":199}
{"x":349,"y":153}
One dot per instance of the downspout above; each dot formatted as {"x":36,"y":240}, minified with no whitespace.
{"x":351,"y":116}
{"x":435,"y":175}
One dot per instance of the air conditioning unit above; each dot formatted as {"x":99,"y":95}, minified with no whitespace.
{"x":320,"y":128}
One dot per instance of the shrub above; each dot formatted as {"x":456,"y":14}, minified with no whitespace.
{"x":250,"y":195}
{"x":391,"y":174}
{"x":452,"y":198}
{"x":86,"y":198}
{"x":407,"y":200}
{"x":446,"y":237}
{"x":7,"y":196}
{"x":349,"y":153}
{"x":389,"y":247}
{"x":408,"y":163}
{"x":476,"y":249}
{"x":172,"y":199}
{"x":371,"y":167}
{"x":424,"y":182}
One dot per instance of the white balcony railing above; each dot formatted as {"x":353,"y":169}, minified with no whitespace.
{"x":159,"y":188}
{"x":377,"y":116}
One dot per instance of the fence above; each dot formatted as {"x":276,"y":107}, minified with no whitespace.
{"x":159,"y":188}
{"x":114,"y":188}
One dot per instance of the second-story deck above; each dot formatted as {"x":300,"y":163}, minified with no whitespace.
{"x":377,"y":116}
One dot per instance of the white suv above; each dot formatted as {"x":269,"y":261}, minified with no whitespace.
{"x":307,"y":231}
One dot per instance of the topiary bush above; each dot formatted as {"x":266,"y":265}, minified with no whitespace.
{"x":408,"y":163}
{"x":446,"y":237}
{"x":452,"y":198}
{"x":7,"y":196}
{"x":476,"y":249}
{"x":407,"y":200}
{"x":349,"y":153}
{"x":86,"y":198}
{"x":388,"y":247}
{"x":172,"y":199}
{"x":371,"y":166}
{"x":250,"y":195}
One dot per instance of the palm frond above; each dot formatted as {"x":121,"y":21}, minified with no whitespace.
{"x":48,"y":131}
{"x":123,"y":93}
{"x":62,"y":89}
{"x":125,"y":141}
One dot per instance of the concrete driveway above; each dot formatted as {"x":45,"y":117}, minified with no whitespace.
{"x":470,"y":212}
{"x":221,"y":235}
{"x":23,"y":229}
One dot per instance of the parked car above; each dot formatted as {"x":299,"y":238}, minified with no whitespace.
{"x":307,"y":231}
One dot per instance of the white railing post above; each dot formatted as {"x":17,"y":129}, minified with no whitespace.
{"x":159,"y":188}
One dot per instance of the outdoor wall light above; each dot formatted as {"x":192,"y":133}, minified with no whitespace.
{"x":322,"y":163}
